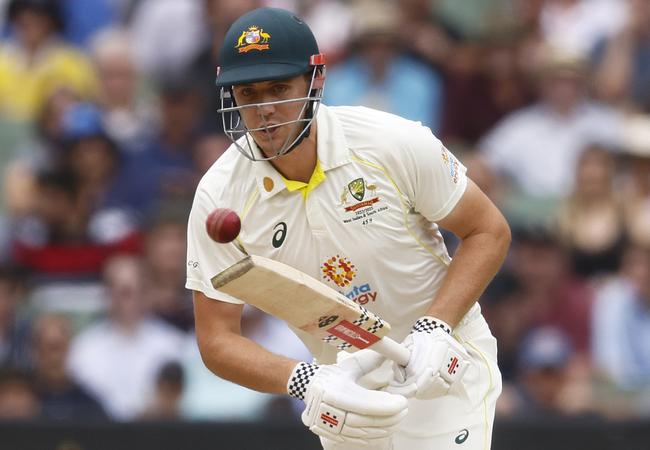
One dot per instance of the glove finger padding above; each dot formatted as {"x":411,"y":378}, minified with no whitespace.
{"x":361,"y":421}
{"x":437,"y":364}
{"x":400,"y":385}
{"x":430,"y":385}
{"x":377,"y":369}
{"x":364,"y":401}
{"x":359,"y":363}
{"x":367,"y":432}
{"x":349,"y":427}
{"x":337,"y":408}
{"x":368,"y":443}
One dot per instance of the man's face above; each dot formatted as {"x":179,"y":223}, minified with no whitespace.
{"x":563,"y":90}
{"x":273,"y":139}
{"x":33,"y":26}
{"x":118,"y":77}
{"x":50,"y":345}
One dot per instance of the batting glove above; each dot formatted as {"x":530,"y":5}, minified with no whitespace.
{"x":437,"y":364}
{"x":337,"y":408}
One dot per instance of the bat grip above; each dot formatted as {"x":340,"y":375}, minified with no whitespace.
{"x":392,"y":350}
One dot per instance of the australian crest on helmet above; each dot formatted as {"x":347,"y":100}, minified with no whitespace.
{"x":254,"y":38}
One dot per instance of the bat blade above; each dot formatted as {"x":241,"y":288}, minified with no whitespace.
{"x":307,"y":304}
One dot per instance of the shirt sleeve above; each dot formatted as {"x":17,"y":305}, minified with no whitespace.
{"x":206,"y":258}
{"x":435,"y":178}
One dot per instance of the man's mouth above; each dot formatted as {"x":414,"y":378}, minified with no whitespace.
{"x":268,"y":132}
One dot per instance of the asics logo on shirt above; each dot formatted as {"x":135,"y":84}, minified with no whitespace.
{"x":279,"y":234}
{"x":462,"y":436}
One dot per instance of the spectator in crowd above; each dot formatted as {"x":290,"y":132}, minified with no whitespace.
{"x":117,"y":359}
{"x":64,"y":239}
{"x":424,"y":34}
{"x":544,"y":387}
{"x":550,"y":294}
{"x":209,"y":146}
{"x":165,"y":254}
{"x":578,"y":25}
{"x":481,"y":174}
{"x":84,"y":19}
{"x":380,"y":75}
{"x":165,"y":405}
{"x":88,"y":152}
{"x":163,"y":170}
{"x":474,"y":20}
{"x":591,"y":222}
{"x":14,"y":329}
{"x":36,"y":62}
{"x":127,"y":109}
{"x":484,"y":83}
{"x":528,"y":29}
{"x":208,"y":397}
{"x":623,"y":61}
{"x":217,"y":16}
{"x":50,"y":126}
{"x":18,"y":397}
{"x":40,"y":150}
{"x":60,"y":397}
{"x":621,"y":323}
{"x":167,"y":35}
{"x":58,"y":219}
{"x":319,"y":14}
{"x":636,"y":189}
{"x":535,"y":149}
{"x":505,"y":312}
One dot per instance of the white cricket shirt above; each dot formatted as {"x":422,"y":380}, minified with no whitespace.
{"x":367,"y":229}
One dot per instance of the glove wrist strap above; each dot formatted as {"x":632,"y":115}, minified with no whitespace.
{"x":300,"y":378}
{"x":426,"y":324}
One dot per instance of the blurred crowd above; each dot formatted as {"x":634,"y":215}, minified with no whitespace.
{"x":108,"y":120}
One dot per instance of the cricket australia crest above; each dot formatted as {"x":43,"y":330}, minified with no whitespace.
{"x":254,"y":38}
{"x":357,"y":188}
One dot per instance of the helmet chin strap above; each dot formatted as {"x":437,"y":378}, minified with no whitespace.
{"x":306,"y":128}
{"x":318,"y":80}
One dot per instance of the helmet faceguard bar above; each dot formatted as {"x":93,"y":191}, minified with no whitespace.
{"x":235,"y":128}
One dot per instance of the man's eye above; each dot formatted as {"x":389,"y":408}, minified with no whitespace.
{"x":246,"y":92}
{"x":279,"y":89}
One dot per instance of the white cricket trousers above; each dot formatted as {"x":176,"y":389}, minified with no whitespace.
{"x":452,"y":422}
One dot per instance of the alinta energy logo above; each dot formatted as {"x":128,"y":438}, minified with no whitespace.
{"x":341,"y":272}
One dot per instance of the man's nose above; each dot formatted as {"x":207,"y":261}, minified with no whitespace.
{"x":266,"y":108}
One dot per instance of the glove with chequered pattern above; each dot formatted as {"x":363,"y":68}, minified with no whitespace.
{"x":438,"y":361}
{"x":339,"y":409}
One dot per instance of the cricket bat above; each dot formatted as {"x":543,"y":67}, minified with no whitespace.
{"x":309,"y":305}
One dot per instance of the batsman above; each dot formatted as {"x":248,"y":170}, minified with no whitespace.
{"x":356,"y":198}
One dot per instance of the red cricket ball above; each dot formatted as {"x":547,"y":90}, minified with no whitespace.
{"x":223,"y":225}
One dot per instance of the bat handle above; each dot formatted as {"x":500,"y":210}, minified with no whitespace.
{"x":392,"y":350}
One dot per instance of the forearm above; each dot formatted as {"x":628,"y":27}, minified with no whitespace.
{"x":242,"y":361}
{"x":477,"y":260}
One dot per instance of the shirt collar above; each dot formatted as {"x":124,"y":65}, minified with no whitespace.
{"x":331,"y":147}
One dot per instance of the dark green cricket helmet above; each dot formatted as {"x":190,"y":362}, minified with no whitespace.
{"x":266,"y":44}
{"x":269,"y":44}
